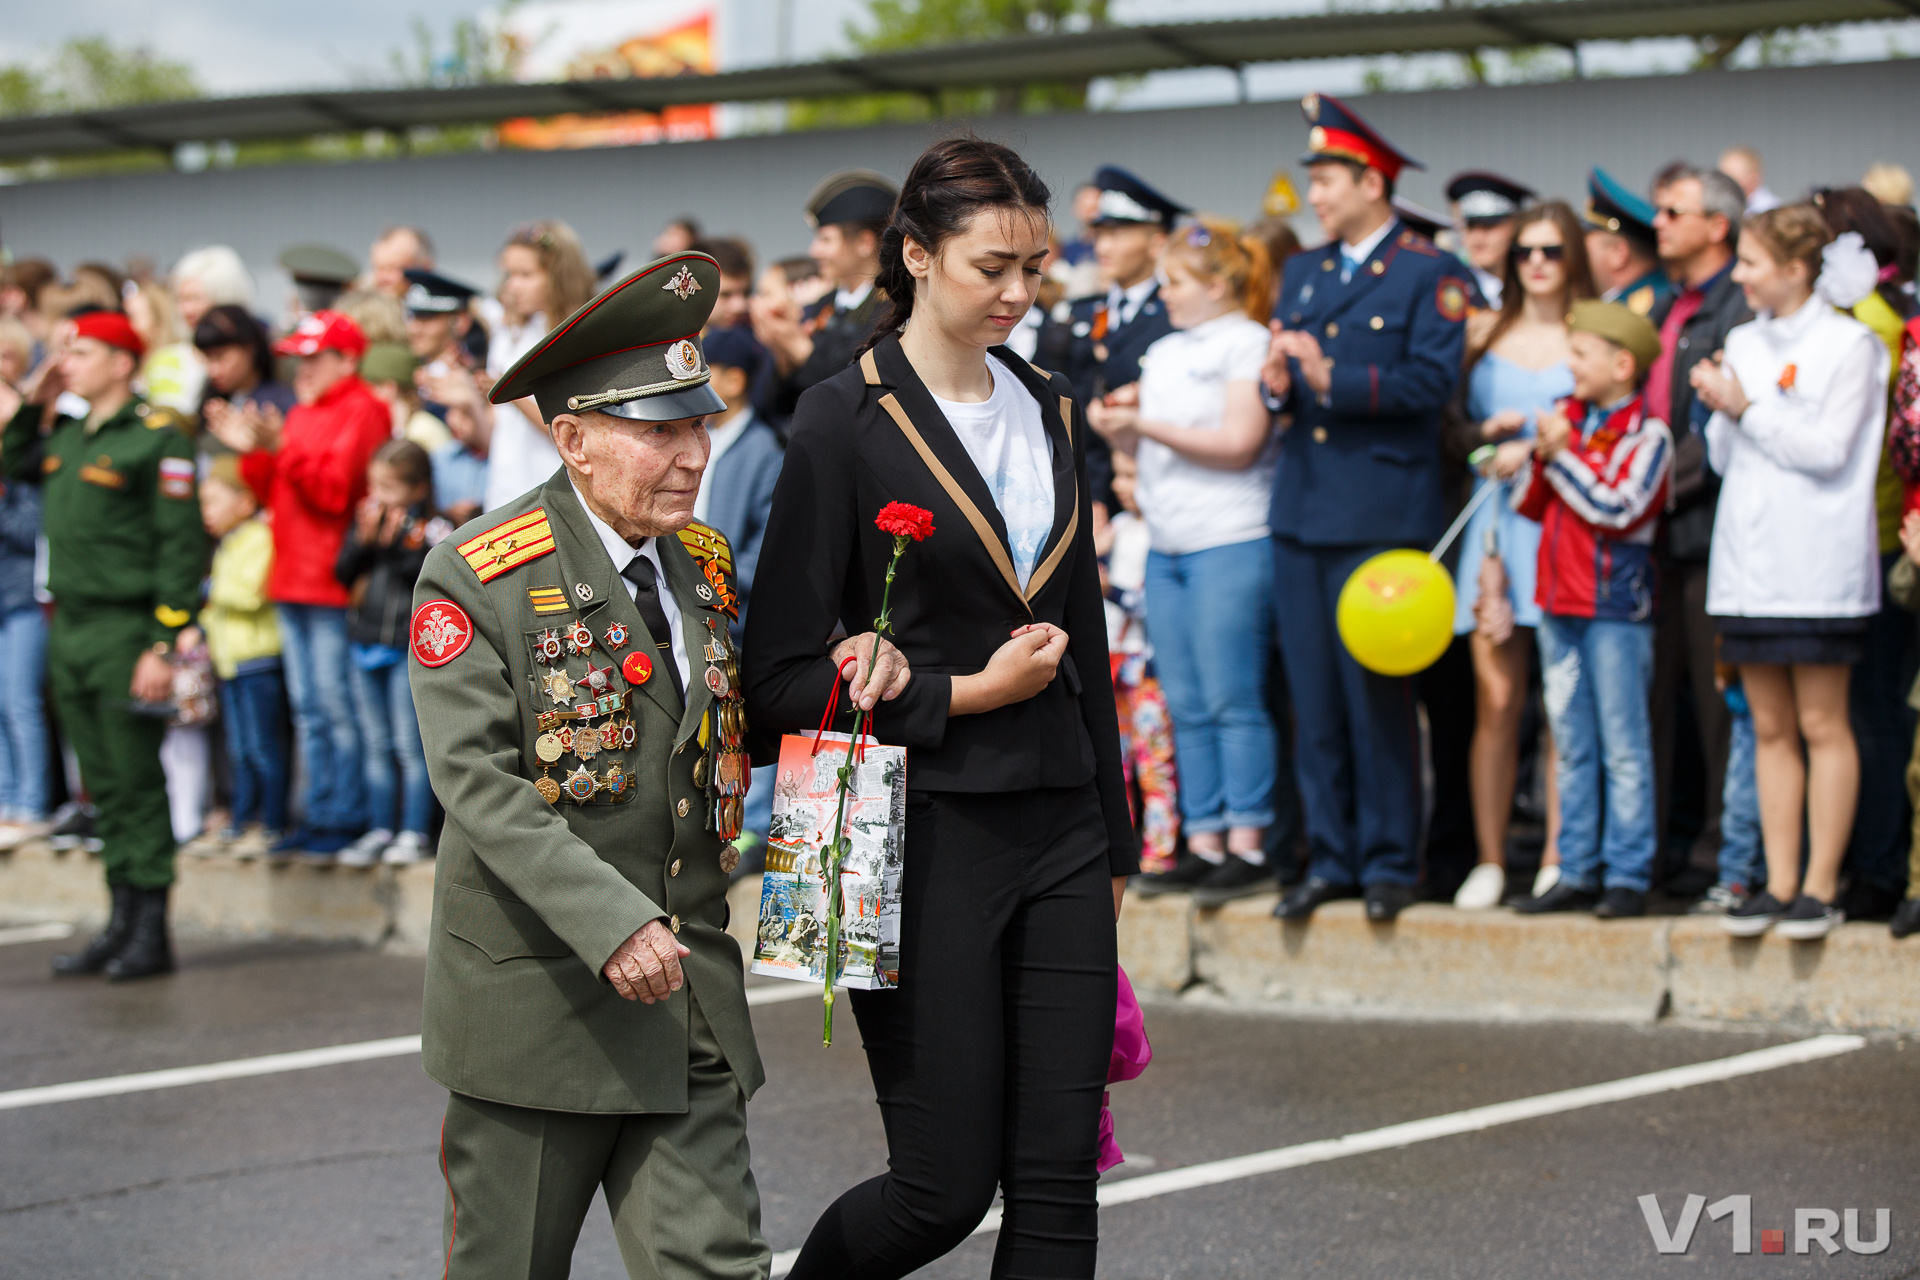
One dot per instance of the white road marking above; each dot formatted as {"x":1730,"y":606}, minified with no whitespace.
{"x":52,"y":931}
{"x":174,"y":1077}
{"x":274,"y":1063}
{"x":1471,"y":1120}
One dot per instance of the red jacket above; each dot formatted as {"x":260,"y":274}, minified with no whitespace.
{"x":1598,"y":502}
{"x":312,"y":485}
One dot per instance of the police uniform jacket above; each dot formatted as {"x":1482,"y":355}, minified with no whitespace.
{"x":122,"y":516}
{"x":874,"y":434}
{"x":531,"y":895}
{"x":1093,"y":375}
{"x":837,"y":335}
{"x":1364,"y":466}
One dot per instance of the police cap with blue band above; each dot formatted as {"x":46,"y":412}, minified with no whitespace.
{"x":633,"y":351}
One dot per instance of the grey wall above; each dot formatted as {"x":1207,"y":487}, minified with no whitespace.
{"x":1814,"y":124}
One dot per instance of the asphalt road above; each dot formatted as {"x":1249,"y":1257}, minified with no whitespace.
{"x":331,"y":1172}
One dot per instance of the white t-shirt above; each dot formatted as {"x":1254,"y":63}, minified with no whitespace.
{"x":1183,"y":381}
{"x":522,"y":454}
{"x":1008,"y":444}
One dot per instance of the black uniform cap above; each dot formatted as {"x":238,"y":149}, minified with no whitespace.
{"x":432,"y":294}
{"x":1124,"y":198}
{"x":1486,"y":197}
{"x":851,"y":195}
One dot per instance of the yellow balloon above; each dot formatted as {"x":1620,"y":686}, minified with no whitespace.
{"x":1396,"y":613}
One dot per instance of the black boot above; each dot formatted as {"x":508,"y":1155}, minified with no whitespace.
{"x":106,"y":944}
{"x":148,"y":951}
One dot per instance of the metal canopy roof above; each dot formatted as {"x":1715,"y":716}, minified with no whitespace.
{"x":1106,"y":51}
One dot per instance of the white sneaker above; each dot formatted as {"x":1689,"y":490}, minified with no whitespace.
{"x":1545,"y":880}
{"x":407,"y":848}
{"x":365,"y":851}
{"x":1484,"y":886}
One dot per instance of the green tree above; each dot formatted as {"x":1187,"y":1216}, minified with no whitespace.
{"x":894,"y":25}
{"x":90,"y":72}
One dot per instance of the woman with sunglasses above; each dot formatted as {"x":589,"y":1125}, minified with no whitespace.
{"x":1205,"y":446}
{"x":1516,"y":366}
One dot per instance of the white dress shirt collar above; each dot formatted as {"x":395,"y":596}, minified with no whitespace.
{"x":622,"y":555}
{"x":1124,"y":304}
{"x":848,"y":299}
{"x":1364,"y":250}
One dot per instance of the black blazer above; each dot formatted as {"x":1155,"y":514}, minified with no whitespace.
{"x":873,"y":434}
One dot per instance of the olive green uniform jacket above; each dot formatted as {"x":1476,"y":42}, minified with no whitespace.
{"x":532,"y":897}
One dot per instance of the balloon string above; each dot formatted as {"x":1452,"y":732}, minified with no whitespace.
{"x":1459,"y":521}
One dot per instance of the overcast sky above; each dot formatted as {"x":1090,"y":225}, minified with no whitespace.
{"x":245,"y":46}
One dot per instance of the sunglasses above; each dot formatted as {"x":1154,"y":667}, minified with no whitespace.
{"x":1524,"y":252}
{"x":1674,"y":215}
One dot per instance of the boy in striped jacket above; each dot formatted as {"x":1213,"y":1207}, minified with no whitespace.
{"x":1597,"y":484}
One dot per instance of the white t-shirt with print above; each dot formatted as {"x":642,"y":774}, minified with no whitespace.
{"x":1183,"y":381}
{"x":1007,"y":441}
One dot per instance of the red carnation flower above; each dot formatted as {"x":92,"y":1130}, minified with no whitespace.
{"x":905,"y":521}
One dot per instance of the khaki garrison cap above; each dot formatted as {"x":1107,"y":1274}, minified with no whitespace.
{"x":1619,"y":325}
{"x":318,"y":263}
{"x":633,"y":351}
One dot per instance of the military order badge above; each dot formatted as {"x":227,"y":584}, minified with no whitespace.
{"x":441,"y":632}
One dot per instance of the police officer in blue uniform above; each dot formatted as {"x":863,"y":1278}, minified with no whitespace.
{"x":1110,"y":331}
{"x":1622,"y":246}
{"x":1366,"y":351}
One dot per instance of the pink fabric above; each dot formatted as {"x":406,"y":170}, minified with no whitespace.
{"x":1131,"y":1054}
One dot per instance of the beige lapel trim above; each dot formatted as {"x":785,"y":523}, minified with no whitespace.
{"x":988,"y":538}
{"x":1059,"y":553}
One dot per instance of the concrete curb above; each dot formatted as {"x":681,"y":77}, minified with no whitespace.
{"x":1434,"y":962}
{"x":1438,"y":962}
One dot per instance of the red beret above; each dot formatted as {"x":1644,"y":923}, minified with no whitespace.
{"x":112,"y":328}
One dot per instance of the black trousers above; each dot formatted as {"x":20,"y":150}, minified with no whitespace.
{"x":990,"y":1057}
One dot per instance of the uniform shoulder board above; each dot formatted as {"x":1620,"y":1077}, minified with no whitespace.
{"x":157,"y":416}
{"x":706,"y":543}
{"x":508,"y":546}
{"x":1641,"y":300}
{"x":1416,"y":243}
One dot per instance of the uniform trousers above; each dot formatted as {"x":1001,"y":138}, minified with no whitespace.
{"x":683,"y":1199}
{"x":91,"y":653}
{"x":1357,"y":737}
{"x":990,"y":1057}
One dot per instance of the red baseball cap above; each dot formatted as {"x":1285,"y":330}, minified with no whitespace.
{"x":112,"y":328}
{"x":323,"y":331}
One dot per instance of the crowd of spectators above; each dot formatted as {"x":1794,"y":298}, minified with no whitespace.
{"x":1683,"y":637}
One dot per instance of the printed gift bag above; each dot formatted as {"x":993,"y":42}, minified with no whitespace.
{"x":792,"y":938}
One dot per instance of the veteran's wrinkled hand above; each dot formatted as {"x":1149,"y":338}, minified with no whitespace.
{"x":647,"y":965}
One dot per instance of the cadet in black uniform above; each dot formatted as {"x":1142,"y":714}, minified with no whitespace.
{"x":1111,"y":331}
{"x":847,"y":212}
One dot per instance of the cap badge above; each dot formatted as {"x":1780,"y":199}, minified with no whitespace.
{"x":1317,"y":139}
{"x":1311,"y":106}
{"x":682,"y":286}
{"x":683,"y":358}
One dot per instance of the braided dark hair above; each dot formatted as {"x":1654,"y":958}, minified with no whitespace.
{"x":950,"y":182}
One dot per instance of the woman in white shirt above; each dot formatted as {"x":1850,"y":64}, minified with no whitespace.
{"x":1793,"y":574}
{"x":1205,"y":447}
{"x":544,"y":277}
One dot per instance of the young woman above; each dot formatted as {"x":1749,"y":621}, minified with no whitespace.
{"x":544,"y":275}
{"x":989,"y":1058}
{"x":1794,"y":571}
{"x":1205,"y":446}
{"x":1516,"y":367}
{"x":240,"y":379}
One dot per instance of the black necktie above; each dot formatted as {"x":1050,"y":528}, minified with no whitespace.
{"x":646,"y":597}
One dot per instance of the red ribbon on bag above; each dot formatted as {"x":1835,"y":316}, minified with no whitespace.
{"x":833,"y":706}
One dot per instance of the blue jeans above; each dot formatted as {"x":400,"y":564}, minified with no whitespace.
{"x":23,"y":720}
{"x":1595,"y":675}
{"x":1742,"y":855}
{"x":313,"y":644}
{"x":253,"y":704}
{"x":1210,"y":616}
{"x":390,"y":736}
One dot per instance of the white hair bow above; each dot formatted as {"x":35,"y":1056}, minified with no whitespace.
{"x":1848,"y":271}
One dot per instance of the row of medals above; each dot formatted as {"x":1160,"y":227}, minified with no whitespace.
{"x":722,"y":769}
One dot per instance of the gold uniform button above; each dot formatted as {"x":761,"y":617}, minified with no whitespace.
{"x":1333,"y":330}
{"x":674,"y":870}
{"x":1319,"y":435}
{"x":1376,"y":323}
{"x":683,"y":807}
{"x":1378,"y":268}
{"x":675,"y":923}
{"x":1327,"y":265}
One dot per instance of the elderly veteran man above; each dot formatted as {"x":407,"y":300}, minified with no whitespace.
{"x":579,"y":700}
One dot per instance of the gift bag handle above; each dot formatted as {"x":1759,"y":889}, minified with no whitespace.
{"x":833,"y":707}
